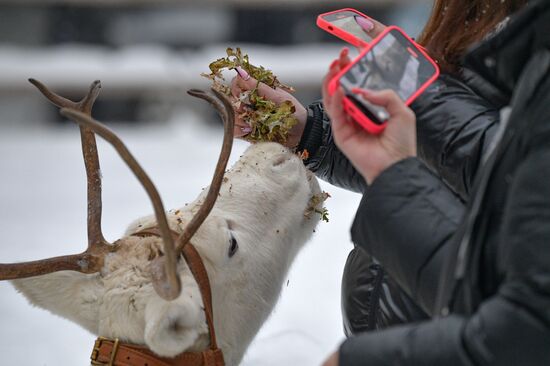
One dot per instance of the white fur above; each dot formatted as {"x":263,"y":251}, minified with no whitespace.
{"x":261,"y":203}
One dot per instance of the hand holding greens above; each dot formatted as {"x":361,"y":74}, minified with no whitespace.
{"x":268,"y":120}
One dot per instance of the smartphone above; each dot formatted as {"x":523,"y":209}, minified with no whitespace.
{"x":343,"y":24}
{"x":391,"y":61}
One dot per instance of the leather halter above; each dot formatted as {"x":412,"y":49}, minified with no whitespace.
{"x":114,"y":353}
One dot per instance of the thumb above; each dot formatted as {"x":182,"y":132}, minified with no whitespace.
{"x":387,"y":99}
{"x":372,"y":27}
{"x":244,"y":80}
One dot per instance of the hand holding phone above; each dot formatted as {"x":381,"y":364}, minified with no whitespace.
{"x":392,"y":61}
{"x":350,"y":25}
{"x":371,"y":154}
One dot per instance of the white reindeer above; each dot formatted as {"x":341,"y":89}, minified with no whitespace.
{"x":247,"y":243}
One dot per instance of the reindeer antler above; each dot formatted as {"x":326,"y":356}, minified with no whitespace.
{"x":225,"y":109}
{"x":89,"y":151}
{"x":160,"y":266}
{"x":91,"y":260}
{"x":171,"y":286}
{"x":163,"y":269}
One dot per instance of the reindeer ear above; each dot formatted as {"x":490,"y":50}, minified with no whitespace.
{"x":172,"y":327}
{"x":72,"y":295}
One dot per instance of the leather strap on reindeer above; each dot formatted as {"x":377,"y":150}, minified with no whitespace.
{"x":108,"y":352}
{"x":115,"y":353}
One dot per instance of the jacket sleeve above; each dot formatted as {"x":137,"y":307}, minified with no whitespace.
{"x":422,"y":213}
{"x":510,"y":328}
{"x":454,"y":126}
{"x":325,"y":159}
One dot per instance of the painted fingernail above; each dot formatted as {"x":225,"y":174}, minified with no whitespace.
{"x":344,"y":51}
{"x":365,"y":23}
{"x":333,"y":64}
{"x":246,"y":129}
{"x":242,"y":73}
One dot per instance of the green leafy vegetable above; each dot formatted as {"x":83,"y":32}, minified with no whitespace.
{"x":236,"y":58}
{"x":269,"y":121}
{"x":313,"y":205}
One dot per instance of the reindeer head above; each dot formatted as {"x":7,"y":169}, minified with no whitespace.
{"x":247,"y":227}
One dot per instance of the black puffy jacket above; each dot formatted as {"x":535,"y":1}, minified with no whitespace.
{"x":455,"y":119}
{"x":482,"y":269}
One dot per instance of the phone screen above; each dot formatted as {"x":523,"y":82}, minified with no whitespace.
{"x":345,"y":20}
{"x":392,"y":63}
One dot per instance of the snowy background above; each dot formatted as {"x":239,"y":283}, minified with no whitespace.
{"x":177,"y":141}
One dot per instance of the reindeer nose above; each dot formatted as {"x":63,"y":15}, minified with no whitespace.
{"x":281,"y":159}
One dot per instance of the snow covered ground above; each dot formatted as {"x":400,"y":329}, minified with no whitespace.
{"x":43,"y":214}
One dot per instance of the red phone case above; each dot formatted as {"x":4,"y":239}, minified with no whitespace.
{"x":352,"y":109}
{"x":340,"y":33}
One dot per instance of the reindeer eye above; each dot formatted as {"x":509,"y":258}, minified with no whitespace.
{"x":233,"y":247}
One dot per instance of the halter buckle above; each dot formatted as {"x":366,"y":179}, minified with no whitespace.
{"x":95,"y":351}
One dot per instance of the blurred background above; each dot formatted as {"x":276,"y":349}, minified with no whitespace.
{"x":147,"y":54}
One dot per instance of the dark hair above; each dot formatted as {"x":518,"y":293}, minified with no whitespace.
{"x":455,"y":25}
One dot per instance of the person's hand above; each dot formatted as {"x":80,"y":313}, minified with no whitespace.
{"x":332,"y":360}
{"x":370,"y":26}
{"x":244,"y":82}
{"x":371,"y":154}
